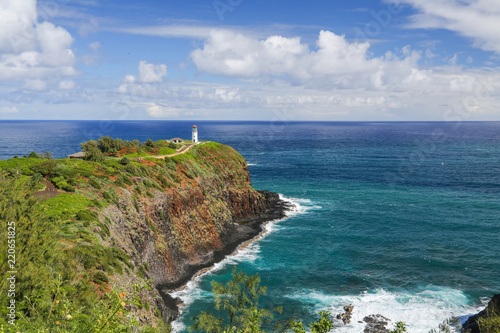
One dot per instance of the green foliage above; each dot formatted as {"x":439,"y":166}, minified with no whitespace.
{"x":100,"y":277}
{"x":149,"y":194}
{"x":323,"y":325}
{"x":94,"y":183}
{"x":36,"y":180}
{"x":92,"y":152}
{"x":125,"y":161}
{"x":173,"y":146}
{"x":86,"y":215}
{"x":447,"y":326}
{"x":400,"y":327}
{"x":490,"y":323}
{"x":36,"y":242}
{"x":33,"y":155}
{"x":54,"y":310}
{"x":106,"y":196}
{"x":110,"y":259}
{"x":64,"y":206}
{"x":119,"y":182}
{"x":238,"y":310}
{"x":237,"y":303}
{"x":167,"y":151}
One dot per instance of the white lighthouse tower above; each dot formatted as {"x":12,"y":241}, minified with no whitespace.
{"x":195,"y":134}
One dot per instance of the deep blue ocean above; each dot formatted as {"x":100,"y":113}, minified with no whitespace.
{"x":398,"y":219}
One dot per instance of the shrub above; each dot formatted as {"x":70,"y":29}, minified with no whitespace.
{"x":127,"y":180}
{"x":149,"y":194}
{"x":106,"y":196}
{"x":86,"y":215}
{"x":94,"y":183}
{"x":100,"y":277}
{"x":125,"y":161}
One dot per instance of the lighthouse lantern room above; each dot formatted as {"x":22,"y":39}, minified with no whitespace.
{"x":195,"y":134}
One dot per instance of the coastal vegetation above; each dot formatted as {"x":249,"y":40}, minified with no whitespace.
{"x":72,"y":262}
{"x":91,"y":237}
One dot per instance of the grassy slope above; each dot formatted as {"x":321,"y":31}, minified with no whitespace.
{"x":74,"y":244}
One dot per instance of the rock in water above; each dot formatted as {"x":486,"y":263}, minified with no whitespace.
{"x":471,"y":324}
{"x":376,"y":324}
{"x":346,"y":316}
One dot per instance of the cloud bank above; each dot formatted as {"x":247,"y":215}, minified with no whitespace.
{"x":29,"y":49}
{"x":475,"y":19}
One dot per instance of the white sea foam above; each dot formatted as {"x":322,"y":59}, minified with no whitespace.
{"x":421,"y":311}
{"x":249,"y":253}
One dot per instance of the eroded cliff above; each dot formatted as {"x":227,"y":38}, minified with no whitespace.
{"x":184,"y":214}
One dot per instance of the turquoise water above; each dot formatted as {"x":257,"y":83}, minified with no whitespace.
{"x":392,"y":219}
{"x":399,"y":219}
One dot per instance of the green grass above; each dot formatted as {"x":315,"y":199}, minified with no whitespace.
{"x":64,"y":206}
{"x":167,"y":151}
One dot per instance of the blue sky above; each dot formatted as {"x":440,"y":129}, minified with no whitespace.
{"x":377,"y":60}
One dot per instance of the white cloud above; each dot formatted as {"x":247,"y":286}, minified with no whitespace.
{"x":37,"y":85}
{"x":333,"y":79}
{"x":9,"y":109}
{"x":168,"y":31}
{"x":150,"y":73}
{"x":30,"y":49}
{"x":66,"y":85}
{"x":336,"y":62}
{"x":476,"y":19}
{"x":161,"y":111}
{"x":95,"y":46}
{"x":141,"y":85}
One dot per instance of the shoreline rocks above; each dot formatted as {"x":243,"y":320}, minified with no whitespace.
{"x":471,"y":325}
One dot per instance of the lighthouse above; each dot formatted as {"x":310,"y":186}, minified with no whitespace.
{"x":195,"y":134}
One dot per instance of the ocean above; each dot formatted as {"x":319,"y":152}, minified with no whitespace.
{"x":397,"y":219}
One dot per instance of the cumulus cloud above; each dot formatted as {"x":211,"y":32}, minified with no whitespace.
{"x":147,"y":74}
{"x":66,"y":85}
{"x":476,"y":19}
{"x":333,"y":79}
{"x":150,"y":73}
{"x":30,"y":49}
{"x":334,"y":63}
{"x":162,"y":111}
{"x":36,"y":85}
{"x":9,"y":109}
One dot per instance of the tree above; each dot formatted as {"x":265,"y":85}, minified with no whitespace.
{"x":172,"y":145}
{"x":92,"y":152}
{"x":105,"y":144}
{"x":238,"y":311}
{"x":125,"y":161}
{"x":237,"y":303}
{"x":33,"y":155}
{"x":48,"y":156}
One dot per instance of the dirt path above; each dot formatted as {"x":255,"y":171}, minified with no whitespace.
{"x":181,"y":151}
{"x":49,"y":192}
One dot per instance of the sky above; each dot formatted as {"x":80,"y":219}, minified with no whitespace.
{"x":317,"y":60}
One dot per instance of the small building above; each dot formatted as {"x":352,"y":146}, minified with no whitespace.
{"x":80,"y":155}
{"x":195,"y":134}
{"x":177,"y":140}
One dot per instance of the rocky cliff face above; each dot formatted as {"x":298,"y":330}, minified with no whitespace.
{"x":493,"y":309}
{"x":173,"y":232}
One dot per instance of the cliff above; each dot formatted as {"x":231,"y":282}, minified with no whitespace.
{"x":192,"y":223}
{"x":489,"y":318}
{"x":118,"y":223}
